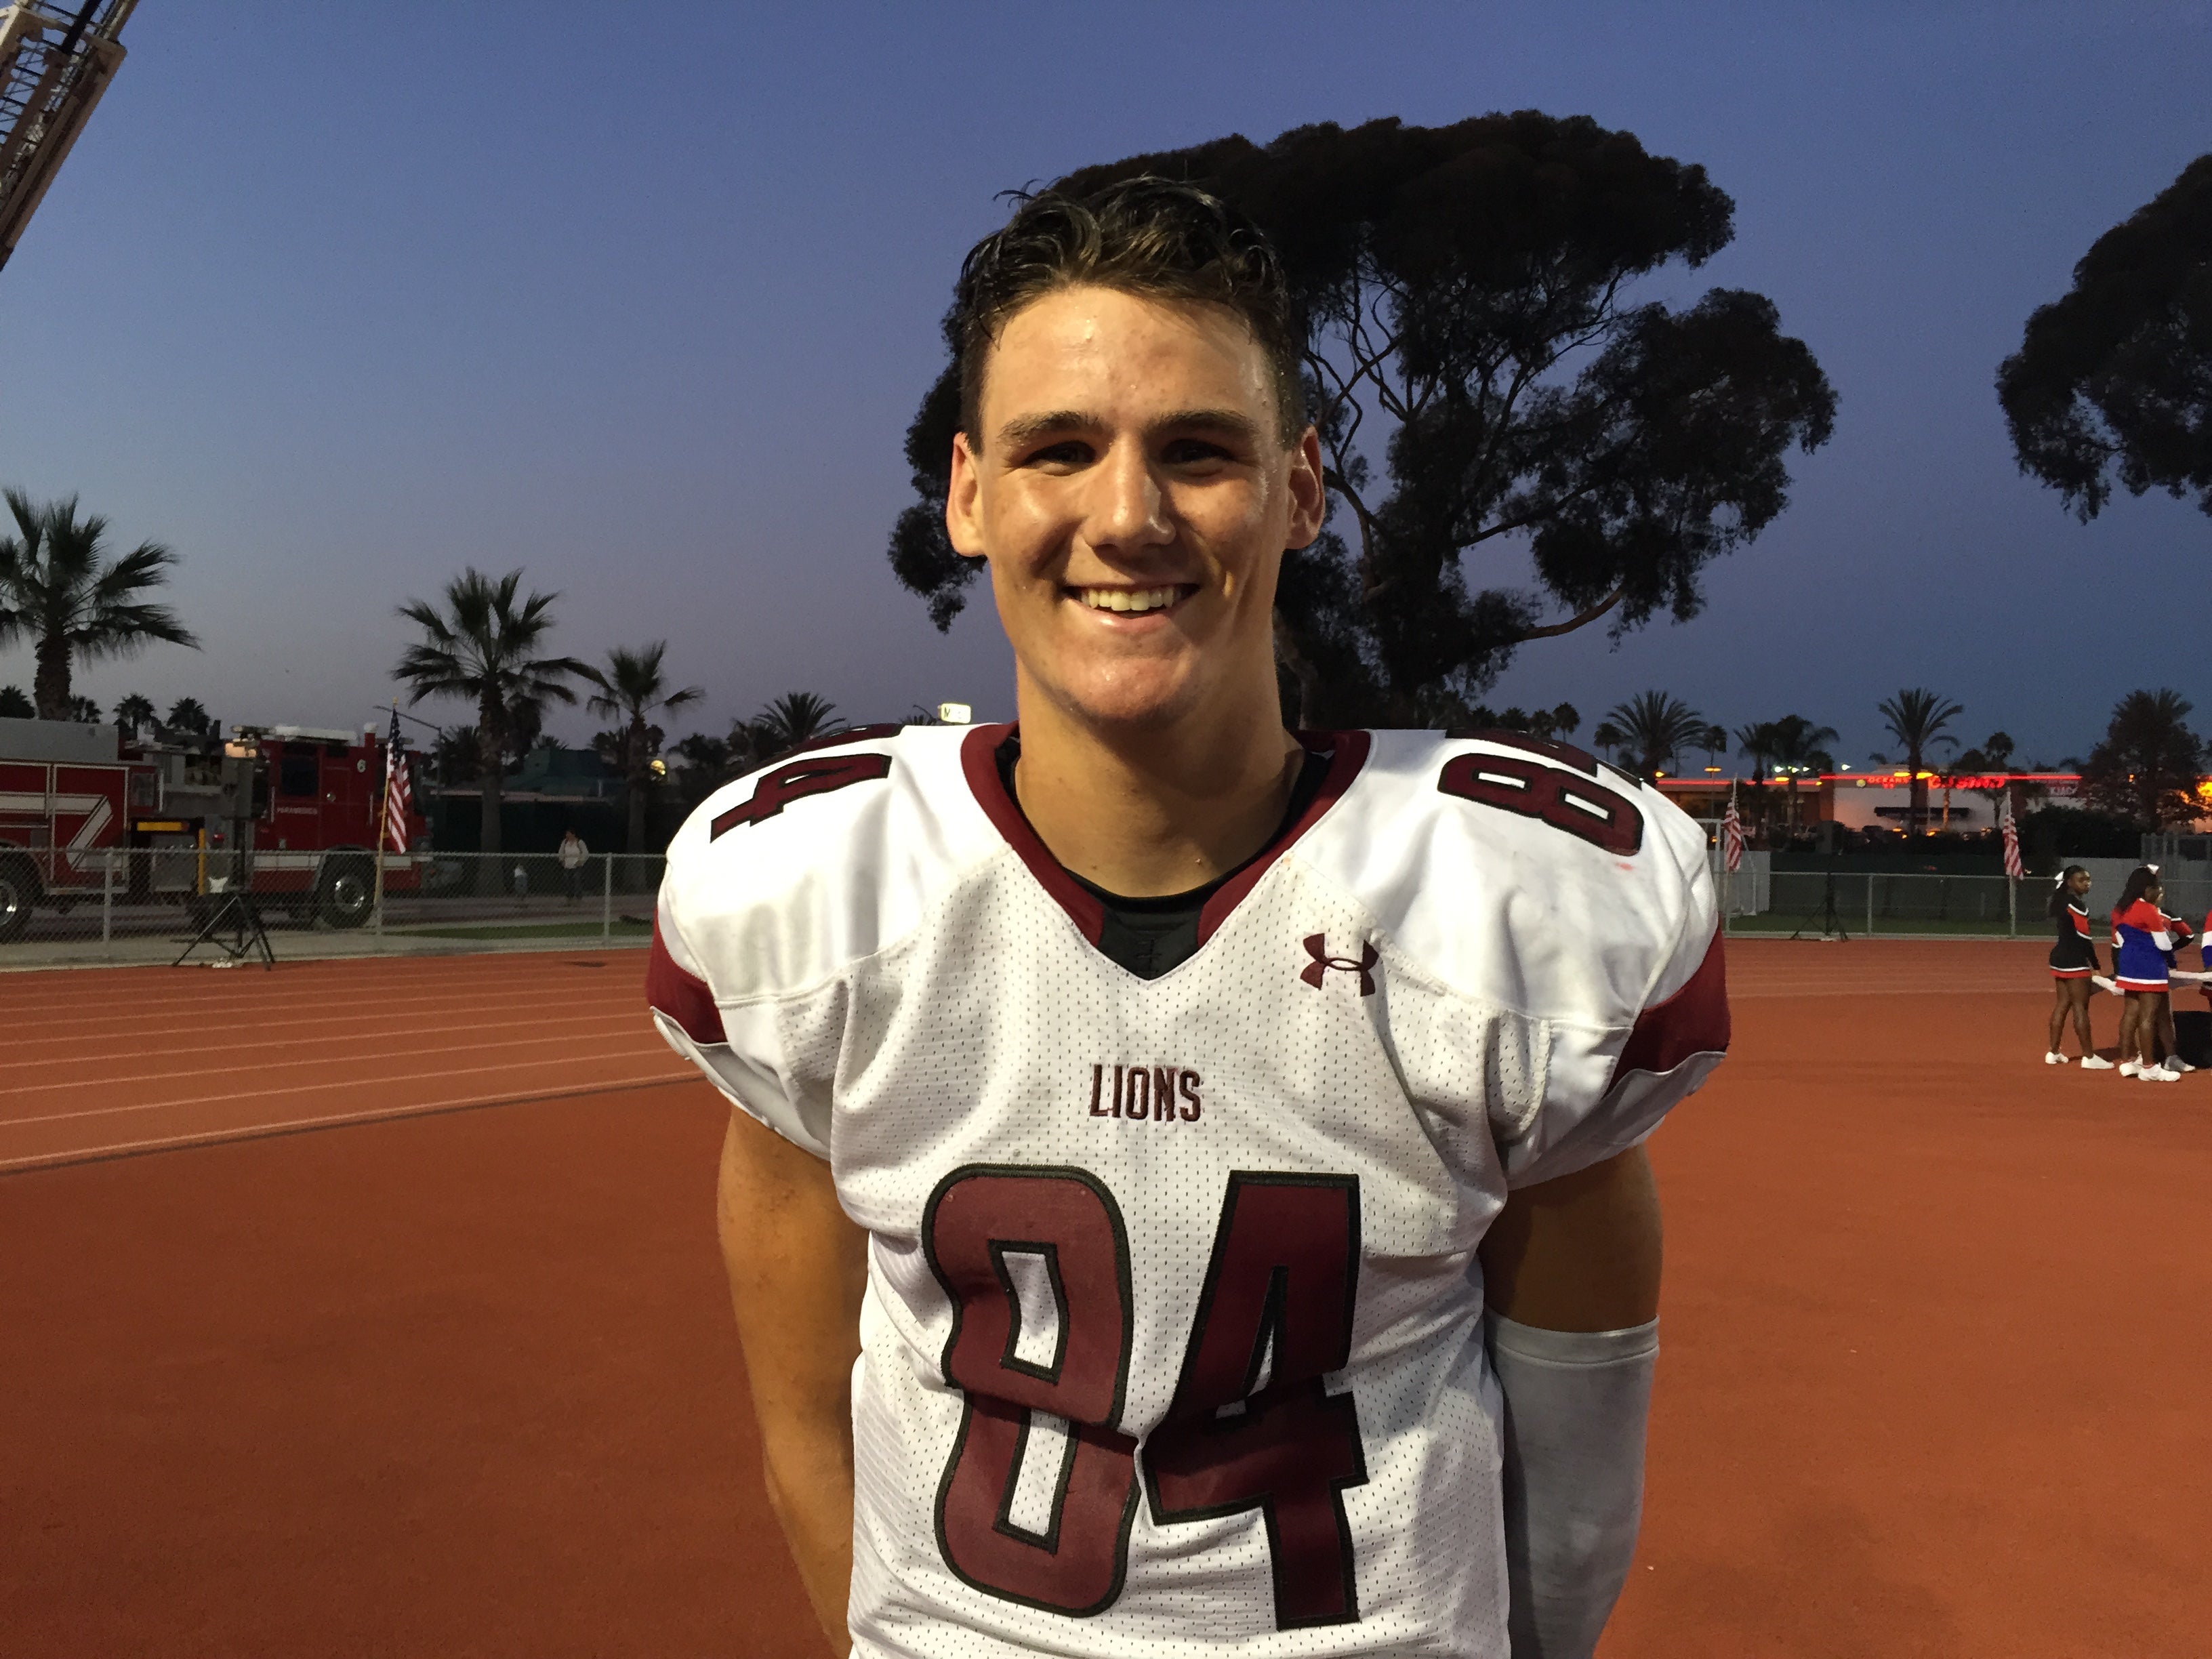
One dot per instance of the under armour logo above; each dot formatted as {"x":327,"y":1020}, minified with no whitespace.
{"x":1314,"y":972}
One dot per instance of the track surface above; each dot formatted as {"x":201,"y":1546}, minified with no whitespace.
{"x":373,"y":1307}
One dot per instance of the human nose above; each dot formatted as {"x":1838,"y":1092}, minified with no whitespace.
{"x":1127,"y":510}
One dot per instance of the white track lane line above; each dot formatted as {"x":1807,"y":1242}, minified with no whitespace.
{"x":70,"y":984}
{"x":293,"y":1013}
{"x":412,"y":991}
{"x":323,"y":1084}
{"x":323,"y":1058}
{"x":380,"y":1037}
{"x":445,"y":965}
{"x":218,"y":1137}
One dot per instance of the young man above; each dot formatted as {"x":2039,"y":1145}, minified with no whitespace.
{"x":1152,"y":1102}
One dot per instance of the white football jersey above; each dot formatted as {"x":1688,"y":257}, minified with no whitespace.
{"x":1172,"y":1338}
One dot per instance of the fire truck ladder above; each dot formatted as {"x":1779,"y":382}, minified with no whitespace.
{"x":53,"y":68}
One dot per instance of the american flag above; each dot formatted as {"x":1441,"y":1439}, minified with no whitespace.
{"x":1732,"y":836}
{"x":2010,"y":830}
{"x":399,"y":798}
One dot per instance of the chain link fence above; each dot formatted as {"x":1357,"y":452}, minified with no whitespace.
{"x":149,"y":904}
{"x":146,"y":905}
{"x":1817,"y":902}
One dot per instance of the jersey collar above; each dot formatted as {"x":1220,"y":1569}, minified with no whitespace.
{"x":978,"y":760}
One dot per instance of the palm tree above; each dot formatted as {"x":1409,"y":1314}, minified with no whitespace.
{"x":58,"y":588}
{"x":15,"y":706}
{"x":134,"y":713}
{"x":794,"y":718}
{"x":1795,"y":745}
{"x":1655,"y":728}
{"x":1756,"y":742}
{"x":1608,"y":737}
{"x":1712,"y":743}
{"x":483,"y":646}
{"x":631,"y":686}
{"x":1994,"y":755}
{"x":187,"y":718}
{"x":704,"y":763}
{"x":1555,"y":724}
{"x":1917,"y":719}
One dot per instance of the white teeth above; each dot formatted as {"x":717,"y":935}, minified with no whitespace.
{"x":1129,"y":599}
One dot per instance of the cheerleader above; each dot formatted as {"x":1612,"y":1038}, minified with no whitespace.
{"x":2074,"y":970}
{"x":2140,"y":941}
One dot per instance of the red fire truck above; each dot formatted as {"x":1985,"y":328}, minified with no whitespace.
{"x":304,"y":801}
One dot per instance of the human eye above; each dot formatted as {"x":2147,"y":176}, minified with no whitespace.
{"x":1062,"y":455}
{"x":1197,"y":454}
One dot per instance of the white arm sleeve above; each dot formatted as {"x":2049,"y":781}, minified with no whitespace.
{"x":1576,"y":1405}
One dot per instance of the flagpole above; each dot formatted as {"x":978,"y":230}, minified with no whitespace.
{"x":1728,"y":875}
{"x":383,"y":810}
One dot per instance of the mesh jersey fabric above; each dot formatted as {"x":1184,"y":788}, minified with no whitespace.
{"x":1223,"y":1222}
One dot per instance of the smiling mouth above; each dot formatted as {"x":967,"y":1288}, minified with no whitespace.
{"x":1134,"y":601}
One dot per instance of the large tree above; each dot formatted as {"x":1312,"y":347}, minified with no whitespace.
{"x":631,"y":686}
{"x":60,"y":590}
{"x":485,"y":644}
{"x":2149,"y":764}
{"x":2113,"y":382}
{"x":1483,"y":381}
{"x":1920,"y":721}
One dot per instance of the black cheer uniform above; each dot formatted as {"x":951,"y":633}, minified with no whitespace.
{"x":2075,"y":954}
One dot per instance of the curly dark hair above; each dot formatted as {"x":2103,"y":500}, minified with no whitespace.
{"x":1146,"y":236}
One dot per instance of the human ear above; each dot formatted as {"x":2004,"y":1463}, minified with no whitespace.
{"x":1309,"y":493}
{"x":963,"y":522}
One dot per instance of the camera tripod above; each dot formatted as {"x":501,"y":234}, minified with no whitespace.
{"x":235,"y":928}
{"x":1824,"y":916}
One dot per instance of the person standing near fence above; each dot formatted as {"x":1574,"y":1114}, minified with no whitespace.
{"x":573,"y":853}
{"x":2073,"y":968}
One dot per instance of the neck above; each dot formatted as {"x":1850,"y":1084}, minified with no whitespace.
{"x":1158,"y":810}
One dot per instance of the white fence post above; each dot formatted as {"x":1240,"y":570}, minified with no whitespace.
{"x":607,"y":898}
{"x":107,"y":900}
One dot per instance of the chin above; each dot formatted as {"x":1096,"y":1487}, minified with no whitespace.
{"x":1130,"y":702}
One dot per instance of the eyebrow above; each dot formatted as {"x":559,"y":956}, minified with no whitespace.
{"x":1027,"y":428}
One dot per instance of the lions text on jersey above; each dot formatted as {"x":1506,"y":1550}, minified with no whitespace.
{"x":1172,"y":1333}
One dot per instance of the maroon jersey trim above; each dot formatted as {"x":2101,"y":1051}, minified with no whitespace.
{"x":979,"y":760}
{"x":683,"y":997}
{"x":1693,"y":1021}
{"x":1350,"y":755}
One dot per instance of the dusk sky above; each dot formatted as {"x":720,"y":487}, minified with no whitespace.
{"x":335,"y":299}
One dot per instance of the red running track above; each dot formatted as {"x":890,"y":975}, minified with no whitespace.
{"x":456,"y":1377}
